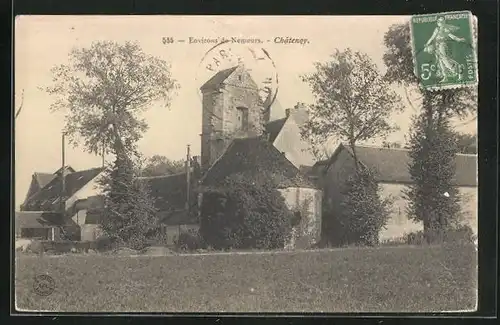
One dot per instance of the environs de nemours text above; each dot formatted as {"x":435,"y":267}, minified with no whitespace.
{"x":238,"y":40}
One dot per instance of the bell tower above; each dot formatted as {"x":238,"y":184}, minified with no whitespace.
{"x":232,"y":108}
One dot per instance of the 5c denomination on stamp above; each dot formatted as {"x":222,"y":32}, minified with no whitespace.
{"x":444,"y":51}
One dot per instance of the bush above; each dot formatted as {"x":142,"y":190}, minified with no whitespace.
{"x":189,"y":240}
{"x":245,"y":214}
{"x":101,"y":244}
{"x":415,"y":238}
{"x":35,"y":247}
{"x":459,"y":234}
{"x":363,"y":212}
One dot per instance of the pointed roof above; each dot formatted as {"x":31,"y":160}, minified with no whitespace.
{"x":217,"y":80}
{"x":253,"y":157}
{"x":50,"y":194}
{"x":43,"y":178}
{"x":273,"y":128}
{"x":67,"y":169}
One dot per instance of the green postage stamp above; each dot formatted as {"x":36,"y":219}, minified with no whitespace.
{"x":444,"y":51}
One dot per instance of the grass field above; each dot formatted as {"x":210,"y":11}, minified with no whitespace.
{"x":345,"y":280}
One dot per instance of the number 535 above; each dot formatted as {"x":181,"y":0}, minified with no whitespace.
{"x":426,"y":70}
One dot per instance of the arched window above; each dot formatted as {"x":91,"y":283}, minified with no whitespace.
{"x":243,"y":118}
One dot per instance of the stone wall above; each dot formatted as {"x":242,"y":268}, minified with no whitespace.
{"x":90,"y":232}
{"x":399,"y":224}
{"x":307,"y":200}
{"x":221,"y":122}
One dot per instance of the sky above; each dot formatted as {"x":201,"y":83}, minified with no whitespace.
{"x":42,"y":42}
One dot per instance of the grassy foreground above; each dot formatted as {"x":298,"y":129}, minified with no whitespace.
{"x":345,"y":280}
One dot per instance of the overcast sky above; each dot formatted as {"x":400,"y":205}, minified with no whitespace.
{"x":44,"y":41}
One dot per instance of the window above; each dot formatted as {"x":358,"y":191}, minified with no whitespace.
{"x":243,"y":118}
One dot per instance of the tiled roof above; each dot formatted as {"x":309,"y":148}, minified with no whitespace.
{"x":254,"y":157}
{"x":216,"y":81}
{"x":43,"y":178}
{"x":273,"y":128}
{"x":48,"y":197}
{"x":170,"y":191}
{"x":37,"y":219}
{"x":391,"y":165}
{"x":68,"y":170}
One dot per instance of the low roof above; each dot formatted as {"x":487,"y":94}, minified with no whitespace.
{"x":37,"y":219}
{"x":253,"y":157}
{"x":170,"y":191}
{"x":391,"y":164}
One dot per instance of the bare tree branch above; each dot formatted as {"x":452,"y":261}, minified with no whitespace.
{"x":408,"y":99}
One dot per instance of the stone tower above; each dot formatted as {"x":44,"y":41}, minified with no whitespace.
{"x":232,"y":108}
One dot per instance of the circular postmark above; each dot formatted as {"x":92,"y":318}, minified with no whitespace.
{"x":254,"y":59}
{"x":44,"y":285}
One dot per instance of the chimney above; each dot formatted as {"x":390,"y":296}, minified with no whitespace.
{"x":300,"y":113}
{"x":287,"y":112}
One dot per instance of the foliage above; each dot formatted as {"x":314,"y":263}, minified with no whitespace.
{"x":108,"y":84}
{"x":467,"y":143}
{"x":189,"y":240}
{"x":160,"y":165}
{"x":363,"y":212}
{"x":245,"y":214}
{"x":352,"y":101}
{"x":432,"y":197}
{"x":388,"y":144}
{"x":128,"y":216}
{"x":398,"y":58}
{"x":458,"y":234}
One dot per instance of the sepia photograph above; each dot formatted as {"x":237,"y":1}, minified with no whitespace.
{"x":245,"y":164}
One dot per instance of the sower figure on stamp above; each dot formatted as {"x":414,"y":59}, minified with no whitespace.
{"x":437,"y":44}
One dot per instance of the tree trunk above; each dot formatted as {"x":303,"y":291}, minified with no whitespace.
{"x":352,"y":144}
{"x":428,"y":217}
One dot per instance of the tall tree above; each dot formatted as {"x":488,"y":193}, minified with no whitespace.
{"x":433,"y":198}
{"x":353,"y":103}
{"x":129,"y":216}
{"x":103,"y":89}
{"x":160,"y":165}
{"x":433,"y":142}
{"x":109,"y":84}
{"x":460,"y":102}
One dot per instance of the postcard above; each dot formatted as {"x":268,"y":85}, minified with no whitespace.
{"x":246,"y":163}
